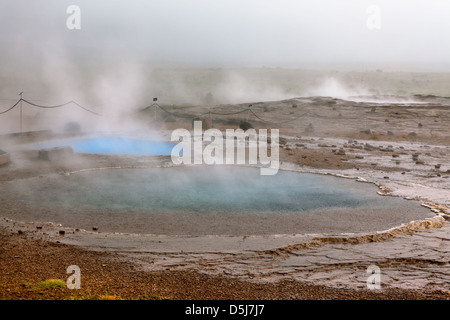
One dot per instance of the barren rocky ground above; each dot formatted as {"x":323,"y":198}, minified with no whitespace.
{"x":402,"y":146}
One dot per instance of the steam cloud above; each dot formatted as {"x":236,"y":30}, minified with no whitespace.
{"x":201,"y":52}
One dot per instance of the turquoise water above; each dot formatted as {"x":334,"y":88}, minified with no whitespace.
{"x":196,"y":200}
{"x":208,"y":189}
{"x":115,"y":145}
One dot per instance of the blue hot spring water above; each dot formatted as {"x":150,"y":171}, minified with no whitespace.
{"x":207,"y":189}
{"x":115,"y":145}
{"x":206,"y":200}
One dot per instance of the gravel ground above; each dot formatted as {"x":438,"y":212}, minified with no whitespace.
{"x":26,"y":263}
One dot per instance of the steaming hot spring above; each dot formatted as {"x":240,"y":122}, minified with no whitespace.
{"x":199,"y":199}
{"x":114,"y":145}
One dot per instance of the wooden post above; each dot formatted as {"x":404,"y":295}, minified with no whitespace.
{"x":248,"y":113}
{"x":21,"y":131}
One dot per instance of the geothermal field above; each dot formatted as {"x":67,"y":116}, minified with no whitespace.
{"x":224,"y":150}
{"x":363,"y":181}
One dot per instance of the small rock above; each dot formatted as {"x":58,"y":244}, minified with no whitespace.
{"x":245,"y":125}
{"x":4,"y":157}
{"x":420,"y":162}
{"x":309,"y":128}
{"x":62,"y":232}
{"x":369,"y":147}
{"x":95,"y":228}
{"x":412,"y":134}
{"x":57,"y":153}
{"x":438,"y":166}
{"x":72,"y":127}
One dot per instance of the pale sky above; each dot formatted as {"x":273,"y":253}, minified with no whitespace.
{"x":274,"y":33}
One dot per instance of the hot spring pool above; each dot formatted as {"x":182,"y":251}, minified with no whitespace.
{"x":115,"y":145}
{"x":200,"y":200}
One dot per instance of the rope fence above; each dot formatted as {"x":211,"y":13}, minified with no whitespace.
{"x":155,"y":105}
{"x":48,"y":107}
{"x":249,"y":109}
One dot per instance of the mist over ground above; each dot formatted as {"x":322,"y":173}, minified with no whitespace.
{"x":211,"y":52}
